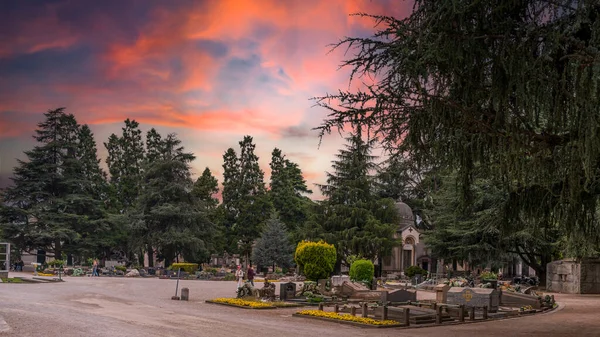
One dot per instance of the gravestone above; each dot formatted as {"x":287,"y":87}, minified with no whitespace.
{"x":287,"y":291}
{"x":399,"y":295}
{"x":367,"y":295}
{"x":338,"y":280}
{"x":474,"y":297}
{"x":349,"y":288}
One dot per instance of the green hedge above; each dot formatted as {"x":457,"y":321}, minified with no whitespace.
{"x":414,"y":270}
{"x":190,"y":268}
{"x":362,"y":271}
{"x":316,"y":259}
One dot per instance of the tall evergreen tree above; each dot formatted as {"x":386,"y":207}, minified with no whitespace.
{"x":355,"y":220}
{"x":205,"y":189}
{"x":125,"y":160}
{"x":510,"y":87}
{"x":167,"y":216}
{"x":245,"y":204}
{"x":286,"y":191}
{"x":475,"y":232}
{"x":54,"y":203}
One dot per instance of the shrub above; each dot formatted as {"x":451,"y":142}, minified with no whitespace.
{"x":211,"y":270}
{"x":316,"y":259}
{"x":488,"y":275}
{"x":56,"y":263}
{"x":190,"y":268}
{"x":362,"y":271}
{"x":121,"y":268}
{"x":229,"y":277}
{"x":414,"y":270}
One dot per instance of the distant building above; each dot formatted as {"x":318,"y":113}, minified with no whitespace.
{"x":412,"y":251}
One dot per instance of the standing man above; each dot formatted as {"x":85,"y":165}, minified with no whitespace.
{"x":251,"y":275}
{"x":239,"y":275}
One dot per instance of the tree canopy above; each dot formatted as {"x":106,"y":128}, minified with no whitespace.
{"x":510,"y":87}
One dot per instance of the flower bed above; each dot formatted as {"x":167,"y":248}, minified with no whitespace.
{"x":240,"y":303}
{"x":43,"y":274}
{"x":345,"y":318}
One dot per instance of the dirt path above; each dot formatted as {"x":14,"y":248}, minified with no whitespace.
{"x":142,"y":307}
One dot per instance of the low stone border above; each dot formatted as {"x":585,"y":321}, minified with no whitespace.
{"x":349,"y":322}
{"x":528,"y":313}
{"x":240,"y":306}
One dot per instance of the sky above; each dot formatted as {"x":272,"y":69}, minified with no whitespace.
{"x":210,"y":71}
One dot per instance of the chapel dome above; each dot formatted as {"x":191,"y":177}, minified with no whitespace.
{"x":405,"y":214}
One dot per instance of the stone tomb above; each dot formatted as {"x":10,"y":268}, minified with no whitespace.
{"x":511,"y":299}
{"x":474,"y":297}
{"x":399,"y":295}
{"x":574,"y":276}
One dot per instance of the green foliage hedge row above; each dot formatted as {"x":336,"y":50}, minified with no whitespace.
{"x":186,"y":267}
{"x":362,"y":271}
{"x":316,"y":259}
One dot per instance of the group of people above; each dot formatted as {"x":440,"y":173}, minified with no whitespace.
{"x":18,"y":265}
{"x":239,"y":275}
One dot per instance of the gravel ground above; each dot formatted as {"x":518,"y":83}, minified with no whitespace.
{"x":142,"y":307}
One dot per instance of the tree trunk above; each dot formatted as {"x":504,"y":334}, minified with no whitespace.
{"x":57,"y":250}
{"x":150,"y":256}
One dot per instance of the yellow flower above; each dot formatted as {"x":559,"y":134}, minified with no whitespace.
{"x":242,"y":303}
{"x":346,"y":317}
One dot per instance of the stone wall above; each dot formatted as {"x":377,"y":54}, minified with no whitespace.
{"x":573,"y":277}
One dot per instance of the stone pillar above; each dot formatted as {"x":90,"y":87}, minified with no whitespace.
{"x":365,"y":310}
{"x":441,"y":293}
{"x":185,"y":294}
{"x":407,"y":316}
{"x":384,"y":315}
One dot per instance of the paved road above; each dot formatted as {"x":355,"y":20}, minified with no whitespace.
{"x":142,"y":307}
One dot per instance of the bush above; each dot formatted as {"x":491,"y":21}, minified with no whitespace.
{"x":189,"y":268}
{"x":488,"y":275}
{"x":229,"y":277}
{"x":121,"y":268}
{"x":316,"y":259}
{"x":362,"y":271}
{"x":414,"y":270}
{"x":56,"y":263}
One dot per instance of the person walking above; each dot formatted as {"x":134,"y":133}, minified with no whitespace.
{"x":95,"y":268}
{"x":251,"y":275}
{"x":239,"y":275}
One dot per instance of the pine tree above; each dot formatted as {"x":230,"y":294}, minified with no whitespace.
{"x":286,"y":191}
{"x":274,"y":247}
{"x":205,"y":189}
{"x":510,"y":87}
{"x":54,"y":203}
{"x":246,"y":205}
{"x":475,"y":232}
{"x":355,"y":220}
{"x":125,"y":160}
{"x":167,"y":216}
